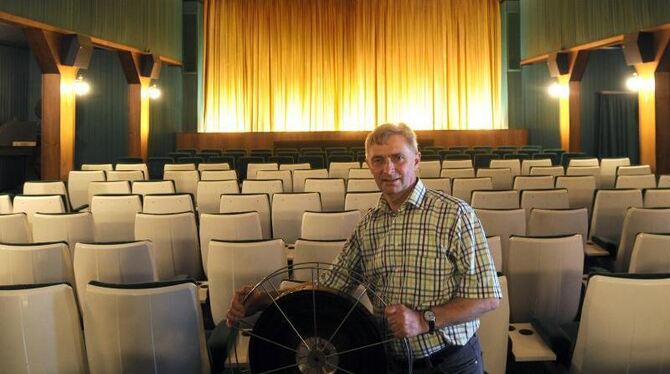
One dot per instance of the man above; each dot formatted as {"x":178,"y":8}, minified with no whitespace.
{"x":426,"y":255}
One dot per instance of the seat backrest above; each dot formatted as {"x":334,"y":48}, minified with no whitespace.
{"x":35,"y":263}
{"x":90,"y":167}
{"x":429,"y":169}
{"x":178,"y":167}
{"x":633,"y":170}
{"x":284,"y":175}
{"x":269,"y":187}
{"x":114,"y":217}
{"x":503,"y":223}
{"x":500,"y":177}
{"x":130,"y":167}
{"x":301,"y":166}
{"x":341,"y":169}
{"x":637,"y":220}
{"x":585,"y":170}
{"x":558,"y":222}
{"x":209,"y":194}
{"x":228,"y":227}
{"x":457,"y":173}
{"x":47,"y":188}
{"x":218,"y":175}
{"x":71,"y":228}
{"x":577,"y":162}
{"x":41,"y":330}
{"x":581,"y":190}
{"x":175,"y":241}
{"x":31,"y":204}
{"x":363,"y":201}
{"x":232,"y":265}
{"x":608,"y":168}
{"x":120,"y":262}
{"x":495,"y":247}
{"x":15,"y":229}
{"x":513,"y":164}
{"x":149,"y":328}
{"x":153,"y":187}
{"x":636,"y":181}
{"x":462,"y":187}
{"x":664,"y":181}
{"x":168,"y":203}
{"x":545,"y":278}
{"x":556,"y":171}
{"x":5,"y":204}
{"x":331,"y":190}
{"x":609,"y":210}
{"x":361,"y":185}
{"x":625,"y":327}
{"x":77,"y":185}
{"x":324,"y":251}
{"x":287,"y":213}
{"x":457,"y":164}
{"x":651,"y":254}
{"x":185,"y":181}
{"x":492,"y":333}
{"x":300,"y":175}
{"x":253,"y":168}
{"x":544,"y":199}
{"x":108,"y":188}
{"x":535,"y":182}
{"x":213,"y":166}
{"x":527,"y":164}
{"x":360,"y":173}
{"x":440,"y":184}
{"x":125,"y":175}
{"x":503,"y":199}
{"x":656,"y":198}
{"x":260,"y":203}
{"x":329,"y":225}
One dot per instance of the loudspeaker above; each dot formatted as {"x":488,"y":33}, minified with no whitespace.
{"x":638,"y":47}
{"x":150,"y":66}
{"x":76,"y":50}
{"x":558,"y":64}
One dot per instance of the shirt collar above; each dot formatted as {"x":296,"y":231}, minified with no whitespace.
{"x":413,"y":200}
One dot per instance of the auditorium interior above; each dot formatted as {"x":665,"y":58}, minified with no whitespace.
{"x":156,"y":155}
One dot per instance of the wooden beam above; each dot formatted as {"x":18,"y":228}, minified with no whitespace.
{"x":662,"y":98}
{"x":138,"y":105}
{"x":616,"y":39}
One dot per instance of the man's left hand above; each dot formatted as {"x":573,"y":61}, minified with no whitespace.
{"x":405,"y":322}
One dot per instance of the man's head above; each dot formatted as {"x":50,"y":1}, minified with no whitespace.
{"x":392,"y":155}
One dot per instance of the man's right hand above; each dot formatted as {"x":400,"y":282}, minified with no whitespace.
{"x":238,"y":309}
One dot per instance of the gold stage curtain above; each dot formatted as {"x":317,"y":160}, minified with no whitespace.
{"x":313,"y":65}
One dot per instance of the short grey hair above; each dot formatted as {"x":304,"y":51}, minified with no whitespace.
{"x":382,"y":133}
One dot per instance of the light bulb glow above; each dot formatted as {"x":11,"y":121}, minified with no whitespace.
{"x":154,"y":92}
{"x":81,"y":87}
{"x":634,"y":83}
{"x":558,"y":90}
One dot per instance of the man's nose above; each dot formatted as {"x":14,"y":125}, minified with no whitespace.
{"x":389,"y":167}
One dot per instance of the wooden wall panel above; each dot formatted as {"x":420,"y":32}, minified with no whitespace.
{"x":443,"y":138}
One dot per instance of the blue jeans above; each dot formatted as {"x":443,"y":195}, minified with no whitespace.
{"x":466,"y":359}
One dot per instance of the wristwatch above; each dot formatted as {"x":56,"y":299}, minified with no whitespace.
{"x":429,"y":317}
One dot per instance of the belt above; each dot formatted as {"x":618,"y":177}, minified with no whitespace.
{"x":436,"y":358}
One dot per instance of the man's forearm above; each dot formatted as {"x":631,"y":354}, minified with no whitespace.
{"x":462,"y":310}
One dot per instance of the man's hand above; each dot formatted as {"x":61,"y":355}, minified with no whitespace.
{"x":238,"y":309}
{"x":405,"y":322}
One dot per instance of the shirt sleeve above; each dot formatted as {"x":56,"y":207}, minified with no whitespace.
{"x":473,"y":259}
{"x":345,"y":272}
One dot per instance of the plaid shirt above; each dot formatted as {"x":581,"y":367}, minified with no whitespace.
{"x":433,"y":249}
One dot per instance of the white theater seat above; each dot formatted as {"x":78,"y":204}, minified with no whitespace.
{"x":228,"y":227}
{"x":72,"y":228}
{"x":260,"y":203}
{"x":462,"y":187}
{"x":306,"y":251}
{"x":503,"y":199}
{"x":114,"y":217}
{"x":329,"y":225}
{"x":168,"y":203}
{"x":77,"y":185}
{"x":287,"y":213}
{"x":153,"y":187}
{"x":134,"y":167}
{"x":15,"y":229}
{"x":493,"y":333}
{"x":185,"y":181}
{"x":331,"y":190}
{"x":651,"y":254}
{"x":362,"y":201}
{"x":31,"y":204}
{"x":125,"y":175}
{"x":269,"y":187}
{"x":439,"y":184}
{"x":120,"y":187}
{"x":35,"y":263}
{"x":300,"y":175}
{"x":47,"y":188}
{"x":209,"y":194}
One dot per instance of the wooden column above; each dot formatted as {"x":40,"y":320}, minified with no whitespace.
{"x":58,"y":105}
{"x":578,"y":61}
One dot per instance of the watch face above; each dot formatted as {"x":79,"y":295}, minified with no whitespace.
{"x":428,"y":315}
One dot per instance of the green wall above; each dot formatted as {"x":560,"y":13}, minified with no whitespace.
{"x":166,"y":113}
{"x":149,"y":25}
{"x":552,"y":25}
{"x":540,"y":112}
{"x":14,"y":63}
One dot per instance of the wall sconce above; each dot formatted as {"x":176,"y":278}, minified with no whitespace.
{"x":558,"y":90}
{"x":80,"y":87}
{"x":637,"y":83}
{"x":153,"y":92}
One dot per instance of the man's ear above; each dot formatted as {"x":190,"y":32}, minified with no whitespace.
{"x":417,"y":159}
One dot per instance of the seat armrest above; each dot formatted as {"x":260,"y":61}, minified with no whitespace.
{"x":606,"y":244}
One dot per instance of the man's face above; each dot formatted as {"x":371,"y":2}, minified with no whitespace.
{"x":393,"y":165}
